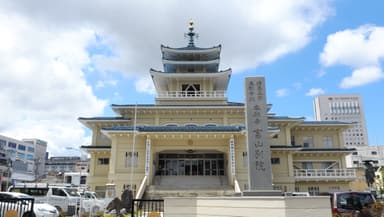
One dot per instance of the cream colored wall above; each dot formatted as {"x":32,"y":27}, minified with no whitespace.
{"x":280,"y":172}
{"x":125,"y":175}
{"x":98,"y":173}
{"x":98,"y":138}
{"x":241,"y":169}
{"x":281,"y":139}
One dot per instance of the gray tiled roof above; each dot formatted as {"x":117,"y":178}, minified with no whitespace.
{"x":102,"y":118}
{"x":177,"y":128}
{"x":325,"y":123}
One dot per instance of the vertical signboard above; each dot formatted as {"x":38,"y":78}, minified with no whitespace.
{"x":259,"y":153}
{"x":147,"y":155}
{"x":232,"y":156}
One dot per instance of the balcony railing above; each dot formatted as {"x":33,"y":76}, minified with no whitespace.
{"x":324,"y":173}
{"x":192,"y":94}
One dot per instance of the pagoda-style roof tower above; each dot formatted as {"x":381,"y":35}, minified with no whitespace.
{"x":191,"y":75}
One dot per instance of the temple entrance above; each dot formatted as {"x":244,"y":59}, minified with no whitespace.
{"x":191,"y":164}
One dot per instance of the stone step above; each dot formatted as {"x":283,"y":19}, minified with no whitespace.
{"x":154,"y":192}
{"x":191,"y":182}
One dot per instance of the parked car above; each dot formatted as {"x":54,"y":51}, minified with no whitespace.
{"x":352,"y":203}
{"x":23,"y":203}
{"x":65,"y":199}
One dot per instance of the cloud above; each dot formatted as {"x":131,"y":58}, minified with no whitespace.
{"x":135,"y":29}
{"x":362,"y":49}
{"x":145,"y":85}
{"x":354,"y":47}
{"x":282,"y":92}
{"x":42,"y":81}
{"x":315,"y":92}
{"x":49,"y":49}
{"x":362,"y":76}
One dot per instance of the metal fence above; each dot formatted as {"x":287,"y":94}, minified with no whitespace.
{"x":147,"y":208}
{"x":22,"y":206}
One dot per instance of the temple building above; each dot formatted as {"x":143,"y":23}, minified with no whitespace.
{"x":192,"y":140}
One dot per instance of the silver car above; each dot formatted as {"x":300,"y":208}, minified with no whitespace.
{"x":21,"y":203}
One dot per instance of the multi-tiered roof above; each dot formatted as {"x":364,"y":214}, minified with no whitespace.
{"x":191,"y":74}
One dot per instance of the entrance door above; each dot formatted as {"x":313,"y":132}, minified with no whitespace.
{"x":208,"y":164}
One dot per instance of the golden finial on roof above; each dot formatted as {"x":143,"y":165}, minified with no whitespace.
{"x":190,"y":27}
{"x":191,"y":34}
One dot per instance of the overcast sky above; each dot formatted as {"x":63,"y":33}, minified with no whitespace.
{"x":61,"y":60}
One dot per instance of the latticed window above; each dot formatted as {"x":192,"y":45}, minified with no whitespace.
{"x":191,"y":89}
{"x":314,"y":190}
{"x":103,"y":161}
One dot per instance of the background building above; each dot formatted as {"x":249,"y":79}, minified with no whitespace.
{"x":344,"y":107}
{"x":375,"y":154}
{"x":64,"y":164}
{"x":22,"y":155}
{"x":40,"y":147}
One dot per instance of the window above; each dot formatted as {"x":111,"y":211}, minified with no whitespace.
{"x":21,"y":147}
{"x":29,"y":157}
{"x":11,"y":144}
{"x":31,"y":149}
{"x":58,"y":192}
{"x":374,"y":152}
{"x":327,"y":141}
{"x":293,"y":140}
{"x":2,"y":144}
{"x":355,"y":162}
{"x":314,"y":190}
{"x":354,"y":153}
{"x":275,"y":160}
{"x":131,"y":159}
{"x":103,"y":161}
{"x":308,"y":141}
{"x":21,"y":155}
{"x":83,"y":180}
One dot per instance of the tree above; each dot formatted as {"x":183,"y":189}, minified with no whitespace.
{"x":369,"y":173}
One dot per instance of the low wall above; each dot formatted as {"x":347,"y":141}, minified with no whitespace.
{"x":247,"y":207}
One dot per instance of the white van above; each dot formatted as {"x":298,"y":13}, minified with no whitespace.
{"x":64,"y":198}
{"x":90,"y":203}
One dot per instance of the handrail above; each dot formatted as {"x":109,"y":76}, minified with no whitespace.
{"x":141,"y":189}
{"x":192,"y":94}
{"x":316,"y":173}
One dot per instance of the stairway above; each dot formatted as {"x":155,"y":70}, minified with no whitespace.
{"x":188,"y":186}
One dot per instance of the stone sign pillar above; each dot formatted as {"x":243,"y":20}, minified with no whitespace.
{"x":259,"y":153}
